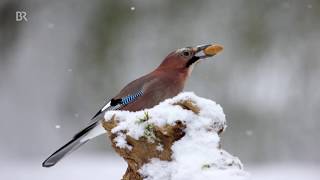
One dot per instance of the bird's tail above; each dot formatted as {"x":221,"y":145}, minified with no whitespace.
{"x":79,"y":139}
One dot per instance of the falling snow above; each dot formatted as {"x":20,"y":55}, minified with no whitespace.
{"x":50,"y":25}
{"x":249,"y":132}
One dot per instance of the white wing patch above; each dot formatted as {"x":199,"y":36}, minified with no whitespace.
{"x":106,"y":106}
{"x":96,"y":131}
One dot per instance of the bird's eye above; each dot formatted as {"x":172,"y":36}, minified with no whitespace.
{"x":186,"y":53}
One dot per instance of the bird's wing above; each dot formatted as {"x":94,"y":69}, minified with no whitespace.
{"x":118,"y":103}
{"x":127,"y":95}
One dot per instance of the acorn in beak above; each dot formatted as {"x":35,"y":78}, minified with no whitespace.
{"x":206,"y":51}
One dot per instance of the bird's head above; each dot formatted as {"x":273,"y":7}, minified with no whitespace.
{"x":186,"y":58}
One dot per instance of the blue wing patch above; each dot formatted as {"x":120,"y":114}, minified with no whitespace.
{"x":128,"y":99}
{"x":115,"y":104}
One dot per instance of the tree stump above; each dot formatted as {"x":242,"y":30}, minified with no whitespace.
{"x":156,"y":142}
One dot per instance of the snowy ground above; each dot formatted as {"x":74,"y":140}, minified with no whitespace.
{"x":287,"y":171}
{"x":75,"y":166}
{"x":110,"y":167}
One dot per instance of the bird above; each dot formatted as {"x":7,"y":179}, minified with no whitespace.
{"x":166,"y":81}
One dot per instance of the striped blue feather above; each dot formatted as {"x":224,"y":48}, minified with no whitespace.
{"x":130,"y":98}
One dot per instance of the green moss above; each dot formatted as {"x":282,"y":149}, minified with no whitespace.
{"x":145,"y":118}
{"x":149,"y":133}
{"x":205,"y":166}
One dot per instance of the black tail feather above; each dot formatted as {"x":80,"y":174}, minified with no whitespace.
{"x":69,"y":147}
{"x":97,"y":114}
{"x":60,"y":153}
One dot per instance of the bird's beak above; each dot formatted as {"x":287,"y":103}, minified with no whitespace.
{"x":205,"y":51}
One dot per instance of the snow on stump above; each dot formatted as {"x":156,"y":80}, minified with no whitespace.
{"x":175,"y":140}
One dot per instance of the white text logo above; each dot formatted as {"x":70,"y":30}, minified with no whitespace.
{"x":21,"y":16}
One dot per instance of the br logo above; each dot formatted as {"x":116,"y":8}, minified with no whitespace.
{"x":21,"y":16}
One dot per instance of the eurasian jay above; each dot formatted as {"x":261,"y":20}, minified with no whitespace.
{"x":166,"y":81}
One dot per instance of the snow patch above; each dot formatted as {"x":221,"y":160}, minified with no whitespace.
{"x":160,"y":147}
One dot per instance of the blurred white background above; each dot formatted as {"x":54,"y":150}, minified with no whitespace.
{"x":57,"y":69}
